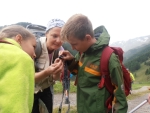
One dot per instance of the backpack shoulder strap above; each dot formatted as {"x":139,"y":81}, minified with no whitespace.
{"x":119,"y":52}
{"x":105,"y":59}
{"x":104,"y":64}
{"x":105,"y":75}
{"x":38,"y":49}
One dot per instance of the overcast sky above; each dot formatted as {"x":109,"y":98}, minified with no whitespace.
{"x":124,"y":19}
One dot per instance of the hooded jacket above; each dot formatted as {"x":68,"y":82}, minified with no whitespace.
{"x":91,"y":99}
{"x":16,"y":79}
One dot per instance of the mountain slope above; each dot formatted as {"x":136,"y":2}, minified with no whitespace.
{"x":132,"y":43}
{"x":131,"y":54}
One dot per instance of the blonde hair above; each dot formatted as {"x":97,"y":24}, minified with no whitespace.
{"x":13,"y":30}
{"x":77,"y":27}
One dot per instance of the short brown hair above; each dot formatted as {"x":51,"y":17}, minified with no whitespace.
{"x":13,"y":30}
{"x":77,"y":26}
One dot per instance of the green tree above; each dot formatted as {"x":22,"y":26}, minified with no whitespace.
{"x":146,"y":72}
{"x":135,"y":75}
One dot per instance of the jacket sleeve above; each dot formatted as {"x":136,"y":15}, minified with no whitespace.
{"x":119,"y":102}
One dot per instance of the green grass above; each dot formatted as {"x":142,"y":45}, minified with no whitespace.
{"x":140,"y":75}
{"x":139,"y":85}
{"x":141,"y":79}
{"x":58,"y":87}
{"x":133,"y":96}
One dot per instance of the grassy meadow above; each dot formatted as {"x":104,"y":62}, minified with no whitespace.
{"x":58,"y":87}
{"x":140,"y":76}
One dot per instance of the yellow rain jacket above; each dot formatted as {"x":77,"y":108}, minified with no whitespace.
{"x":16,"y":79}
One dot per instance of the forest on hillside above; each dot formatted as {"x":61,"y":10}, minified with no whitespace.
{"x":134,"y":61}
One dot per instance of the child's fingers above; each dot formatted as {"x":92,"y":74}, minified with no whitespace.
{"x":57,"y":60}
{"x":58,"y":67}
{"x":60,"y":52}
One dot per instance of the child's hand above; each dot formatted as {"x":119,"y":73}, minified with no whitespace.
{"x":66,"y":55}
{"x":58,"y":66}
{"x":55,"y":68}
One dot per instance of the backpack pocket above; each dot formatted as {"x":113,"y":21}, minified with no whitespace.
{"x":41,"y":64}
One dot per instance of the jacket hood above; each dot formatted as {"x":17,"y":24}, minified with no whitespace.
{"x":102,"y":37}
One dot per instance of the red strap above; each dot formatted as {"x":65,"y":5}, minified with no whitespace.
{"x":109,"y":102}
{"x":104,"y":62}
{"x":101,"y":83}
{"x":109,"y":106}
{"x":105,"y":79}
{"x":119,"y":52}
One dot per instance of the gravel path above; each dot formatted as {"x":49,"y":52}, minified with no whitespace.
{"x":58,"y":99}
{"x":135,"y":102}
{"x":131,"y":103}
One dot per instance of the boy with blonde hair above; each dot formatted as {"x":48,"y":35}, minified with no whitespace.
{"x":78,"y":31}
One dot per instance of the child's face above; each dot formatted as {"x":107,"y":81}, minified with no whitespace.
{"x":53,"y":39}
{"x":28,"y":46}
{"x":79,"y":45}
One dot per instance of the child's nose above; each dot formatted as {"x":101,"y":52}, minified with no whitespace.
{"x":34,"y":56}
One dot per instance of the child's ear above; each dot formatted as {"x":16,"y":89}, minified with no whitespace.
{"x":88,"y":37}
{"x":18,"y":38}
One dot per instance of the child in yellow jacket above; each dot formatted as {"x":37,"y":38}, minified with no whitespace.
{"x":16,"y":69}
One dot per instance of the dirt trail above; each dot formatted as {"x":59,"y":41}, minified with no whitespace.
{"x":58,"y":99}
{"x":135,"y":102}
{"x":131,"y":103}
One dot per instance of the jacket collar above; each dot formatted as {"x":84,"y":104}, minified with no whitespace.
{"x":12,"y":41}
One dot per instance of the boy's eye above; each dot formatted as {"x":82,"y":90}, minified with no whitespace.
{"x":34,"y":47}
{"x":74,"y":44}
